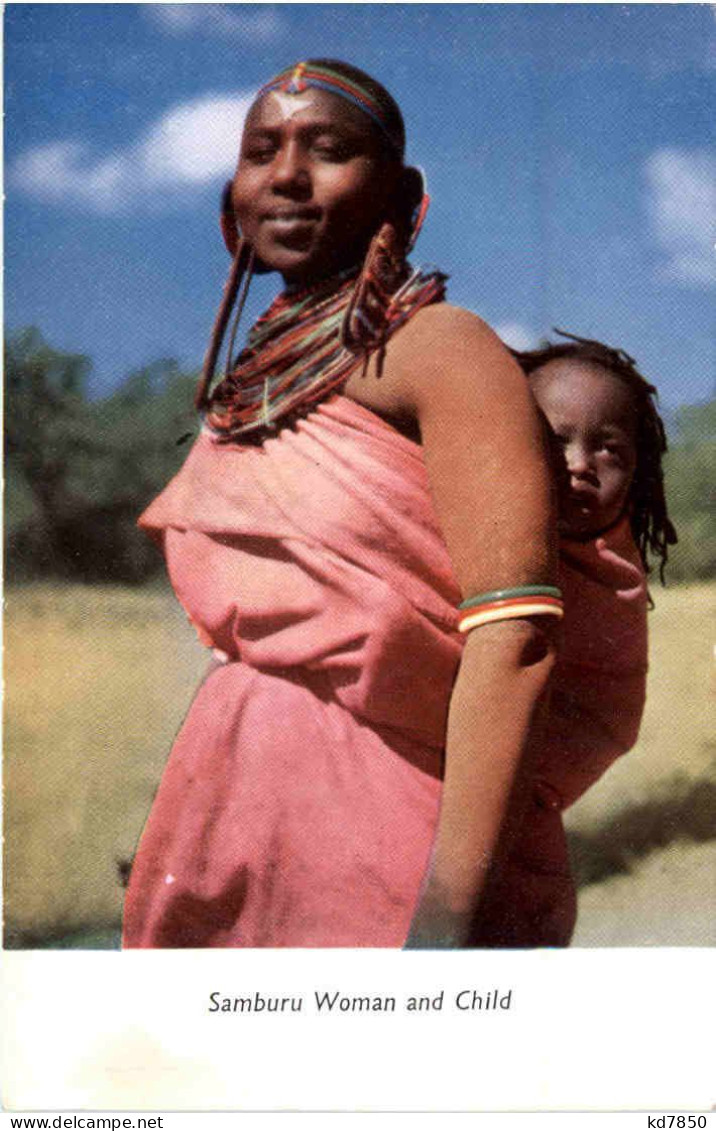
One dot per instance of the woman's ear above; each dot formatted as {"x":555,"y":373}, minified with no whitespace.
{"x":412,"y":203}
{"x":412,"y":186}
{"x":227,"y":220}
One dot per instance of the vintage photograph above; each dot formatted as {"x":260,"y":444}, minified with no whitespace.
{"x":359,"y":452}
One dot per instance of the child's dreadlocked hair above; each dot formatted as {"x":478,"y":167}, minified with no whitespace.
{"x":652,"y":529}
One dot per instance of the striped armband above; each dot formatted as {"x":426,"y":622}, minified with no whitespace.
{"x":506,"y":604}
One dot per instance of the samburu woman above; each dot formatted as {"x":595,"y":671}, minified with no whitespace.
{"x":369,"y":480}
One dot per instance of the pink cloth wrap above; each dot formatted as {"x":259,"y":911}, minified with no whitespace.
{"x":596,"y":703}
{"x":599,"y":684}
{"x":300,"y":800}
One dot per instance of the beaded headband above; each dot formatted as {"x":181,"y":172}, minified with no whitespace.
{"x":302,"y":76}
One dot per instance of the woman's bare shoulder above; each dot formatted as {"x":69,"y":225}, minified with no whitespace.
{"x":442,"y":322}
{"x":448,"y":374}
{"x":443,"y":351}
{"x":445,"y":346}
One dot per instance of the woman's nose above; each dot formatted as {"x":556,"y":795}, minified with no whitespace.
{"x":290,"y":173}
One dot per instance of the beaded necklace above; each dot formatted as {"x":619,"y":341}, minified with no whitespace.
{"x":296,"y":353}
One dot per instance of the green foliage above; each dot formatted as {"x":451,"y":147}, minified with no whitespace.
{"x":690,"y":469}
{"x":45,"y":428}
{"x":79,"y":472}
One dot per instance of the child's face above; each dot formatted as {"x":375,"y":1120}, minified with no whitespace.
{"x":592,"y":415}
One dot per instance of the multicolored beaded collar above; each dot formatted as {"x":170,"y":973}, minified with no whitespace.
{"x":296,"y":354}
{"x":302,"y":76}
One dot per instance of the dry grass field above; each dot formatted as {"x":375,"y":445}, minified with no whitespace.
{"x":98,"y":679}
{"x":647,"y":830}
{"x":96,"y":683}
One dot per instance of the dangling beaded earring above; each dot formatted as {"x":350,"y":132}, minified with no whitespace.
{"x":237,"y":284}
{"x":383,"y":275}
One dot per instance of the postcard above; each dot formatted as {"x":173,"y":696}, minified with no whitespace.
{"x":457,"y":293}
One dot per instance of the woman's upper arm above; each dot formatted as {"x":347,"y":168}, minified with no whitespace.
{"x":483,"y":447}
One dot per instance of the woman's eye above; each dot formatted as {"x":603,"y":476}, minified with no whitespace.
{"x":259,"y":153}
{"x":332,"y":150}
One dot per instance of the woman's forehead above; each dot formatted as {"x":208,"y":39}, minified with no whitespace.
{"x":315,"y":107}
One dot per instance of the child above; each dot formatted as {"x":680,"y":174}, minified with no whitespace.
{"x":608,"y":442}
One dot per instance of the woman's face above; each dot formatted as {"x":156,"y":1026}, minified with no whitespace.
{"x":312,"y":184}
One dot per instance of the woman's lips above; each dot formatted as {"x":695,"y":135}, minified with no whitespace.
{"x":294,"y":230}
{"x":289,"y":220}
{"x":287,"y":223}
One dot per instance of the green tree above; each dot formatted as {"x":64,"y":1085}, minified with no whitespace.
{"x":79,"y":471}
{"x":690,"y":469}
{"x":45,"y":428}
{"x":139,"y":426}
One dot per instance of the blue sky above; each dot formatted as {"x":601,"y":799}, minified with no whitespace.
{"x":568,"y":149}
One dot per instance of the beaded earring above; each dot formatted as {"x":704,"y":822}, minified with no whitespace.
{"x":228,"y":223}
{"x":384,"y":273}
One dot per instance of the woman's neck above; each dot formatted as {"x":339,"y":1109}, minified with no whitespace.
{"x":294,"y":287}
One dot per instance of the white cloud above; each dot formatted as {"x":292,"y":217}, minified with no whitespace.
{"x":682,"y":211}
{"x":259,"y":26}
{"x":516,"y":335}
{"x":196,"y":141}
{"x":191,"y":145}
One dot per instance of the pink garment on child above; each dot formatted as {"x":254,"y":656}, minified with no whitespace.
{"x":599,"y":683}
{"x":299,"y":803}
{"x":596,"y":703}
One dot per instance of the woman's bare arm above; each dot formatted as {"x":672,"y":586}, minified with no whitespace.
{"x":485,"y":458}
